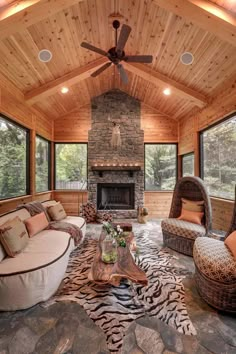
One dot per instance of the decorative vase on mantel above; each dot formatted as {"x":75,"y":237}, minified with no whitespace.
{"x":109,"y":249}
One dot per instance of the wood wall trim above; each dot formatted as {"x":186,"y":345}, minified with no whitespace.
{"x":68,"y":79}
{"x":160,"y":80}
{"x":206,"y":15}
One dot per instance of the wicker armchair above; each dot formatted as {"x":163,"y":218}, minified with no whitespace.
{"x":178,"y":234}
{"x":215,"y":270}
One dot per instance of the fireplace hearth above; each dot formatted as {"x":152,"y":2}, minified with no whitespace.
{"x":115,"y":196}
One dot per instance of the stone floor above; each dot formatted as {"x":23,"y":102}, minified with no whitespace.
{"x":65,"y":328}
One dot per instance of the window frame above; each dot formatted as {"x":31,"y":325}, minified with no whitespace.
{"x":27,"y":160}
{"x":184,"y":155}
{"x":201,"y":153}
{"x":55,"y":164}
{"x":176,"y":165}
{"x":49,"y":163}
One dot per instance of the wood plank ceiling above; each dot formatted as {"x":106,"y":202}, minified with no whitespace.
{"x":155,"y":30}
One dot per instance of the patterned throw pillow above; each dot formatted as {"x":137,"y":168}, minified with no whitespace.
{"x":14,"y":236}
{"x":230,"y":242}
{"x":36,"y":223}
{"x":89,"y":212}
{"x":57,"y":212}
{"x":193,"y":205}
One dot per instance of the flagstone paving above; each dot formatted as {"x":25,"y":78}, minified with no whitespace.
{"x":65,"y":328}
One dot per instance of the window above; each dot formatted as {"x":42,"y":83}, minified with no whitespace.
{"x":218,"y":151}
{"x":160,"y":166}
{"x":42,"y":164}
{"x":188,"y":165}
{"x":14,"y":161}
{"x":71,"y":166}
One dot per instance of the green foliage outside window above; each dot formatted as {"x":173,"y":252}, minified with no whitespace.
{"x":219,"y":159}
{"x":71,"y":166}
{"x":42,"y":164}
{"x":160,"y":167}
{"x":13,"y":152}
{"x":188,"y":165}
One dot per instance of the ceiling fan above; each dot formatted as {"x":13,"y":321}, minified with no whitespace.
{"x":116,"y":54}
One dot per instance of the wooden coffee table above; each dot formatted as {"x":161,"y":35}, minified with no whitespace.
{"x":125,"y":267}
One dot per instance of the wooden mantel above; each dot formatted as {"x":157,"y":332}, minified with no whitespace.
{"x":127,"y":167}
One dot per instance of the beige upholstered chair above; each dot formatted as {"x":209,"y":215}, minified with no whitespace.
{"x":215,"y":271}
{"x":179,"y":234}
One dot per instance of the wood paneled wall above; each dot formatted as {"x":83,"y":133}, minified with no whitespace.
{"x":71,"y":200}
{"x":158,"y":203}
{"x":189,"y":130}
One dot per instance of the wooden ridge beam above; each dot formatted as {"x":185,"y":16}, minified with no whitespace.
{"x":163,"y":81}
{"x":22,"y":14}
{"x":206,"y":15}
{"x":69,"y":79}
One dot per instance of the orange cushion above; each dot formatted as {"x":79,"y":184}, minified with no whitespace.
{"x":230,"y":242}
{"x":36,"y":224}
{"x":192,"y":205}
{"x":191,"y":216}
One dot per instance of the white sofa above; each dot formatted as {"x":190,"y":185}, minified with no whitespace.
{"x":35,"y":274}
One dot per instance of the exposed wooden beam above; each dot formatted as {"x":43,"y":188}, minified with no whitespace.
{"x":163,"y":81}
{"x":69,"y":79}
{"x":21,"y":14}
{"x":206,"y":15}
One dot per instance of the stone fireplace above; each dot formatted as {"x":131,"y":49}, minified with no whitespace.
{"x":116,"y":175}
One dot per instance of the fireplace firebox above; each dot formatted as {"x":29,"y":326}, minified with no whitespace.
{"x":115,"y":196}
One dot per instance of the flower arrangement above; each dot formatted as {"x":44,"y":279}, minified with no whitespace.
{"x":116,"y":233}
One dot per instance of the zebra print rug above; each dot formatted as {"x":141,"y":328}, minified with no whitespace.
{"x":113,"y":309}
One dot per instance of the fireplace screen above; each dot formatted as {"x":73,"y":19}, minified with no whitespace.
{"x":116,"y":196}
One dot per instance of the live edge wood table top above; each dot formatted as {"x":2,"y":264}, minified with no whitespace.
{"x":125,"y":267}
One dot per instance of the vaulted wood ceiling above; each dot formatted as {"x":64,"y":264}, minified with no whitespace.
{"x":163,"y":28}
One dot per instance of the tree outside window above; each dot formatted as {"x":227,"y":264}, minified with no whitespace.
{"x":42,"y":164}
{"x":188,"y":165}
{"x":71,"y":166}
{"x":160,"y":166}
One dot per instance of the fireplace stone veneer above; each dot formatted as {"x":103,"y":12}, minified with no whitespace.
{"x":125,"y":111}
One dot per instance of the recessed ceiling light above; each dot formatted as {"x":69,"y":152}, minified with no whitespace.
{"x":167,"y":92}
{"x":64,"y":89}
{"x":45,"y":55}
{"x":187,"y":58}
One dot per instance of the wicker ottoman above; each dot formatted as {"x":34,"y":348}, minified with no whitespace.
{"x":215,"y":273}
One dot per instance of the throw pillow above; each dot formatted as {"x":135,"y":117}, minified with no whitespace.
{"x":36,"y":223}
{"x":193,"y":205}
{"x":14,"y":236}
{"x":57,"y":212}
{"x":191,"y":216}
{"x":230,"y":242}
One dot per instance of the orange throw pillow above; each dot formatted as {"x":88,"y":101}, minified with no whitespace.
{"x":36,"y":224}
{"x":191,"y":216}
{"x":230,"y":242}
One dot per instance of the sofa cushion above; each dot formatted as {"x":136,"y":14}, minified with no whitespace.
{"x":44,"y":248}
{"x":214,"y":260}
{"x":56,"y":212}
{"x":13,"y":236}
{"x":183,"y":228}
{"x":2,"y":252}
{"x":36,"y":223}
{"x":23,"y":214}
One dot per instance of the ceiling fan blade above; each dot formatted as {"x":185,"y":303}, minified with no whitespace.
{"x":94,"y":49}
{"x":123,"y":74}
{"x":139,"y":59}
{"x":101,"y":69}
{"x":124,"y":35}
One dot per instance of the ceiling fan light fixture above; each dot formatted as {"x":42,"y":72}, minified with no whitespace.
{"x":187,"y":58}
{"x":64,"y":89}
{"x":45,"y":55}
{"x":167,"y":91}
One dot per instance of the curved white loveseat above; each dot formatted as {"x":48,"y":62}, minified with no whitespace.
{"x":35,"y":274}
